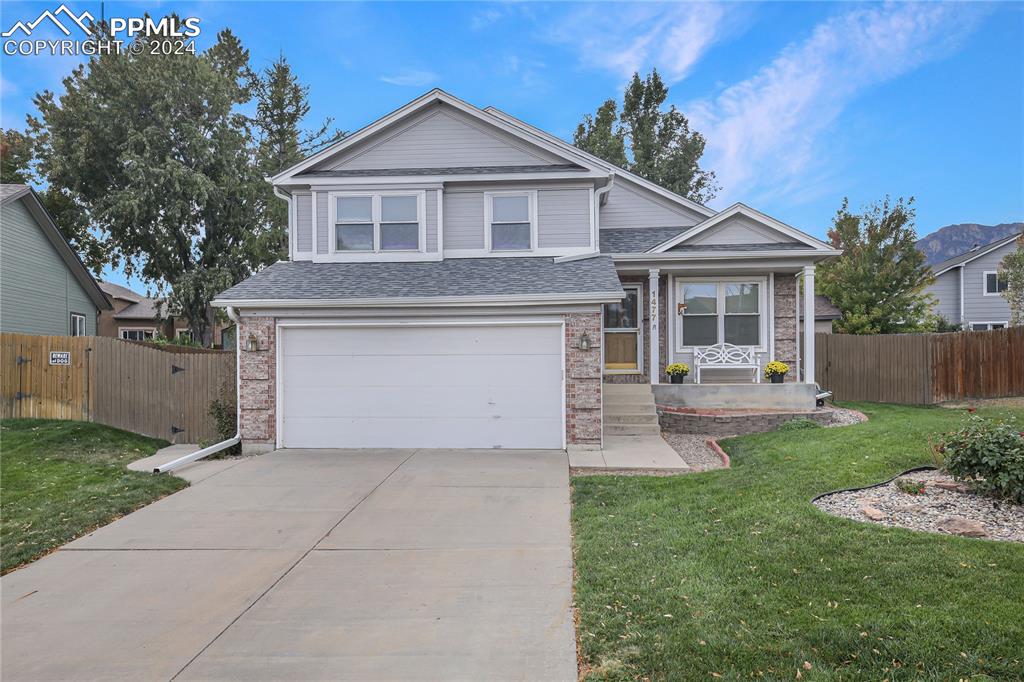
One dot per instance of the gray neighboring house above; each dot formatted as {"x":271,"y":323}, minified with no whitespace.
{"x":458,"y":278}
{"x":968,"y":288}
{"x":44,"y":288}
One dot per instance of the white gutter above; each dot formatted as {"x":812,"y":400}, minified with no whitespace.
{"x":235,"y":439}
{"x":416,"y":301}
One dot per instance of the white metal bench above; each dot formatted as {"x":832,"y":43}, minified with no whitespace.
{"x":726,"y":356}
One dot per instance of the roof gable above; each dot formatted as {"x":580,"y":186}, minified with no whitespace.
{"x":521,"y":147}
{"x":71,"y":260}
{"x":963,"y":258}
{"x":741,"y":225}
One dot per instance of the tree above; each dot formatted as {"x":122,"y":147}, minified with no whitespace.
{"x":153,"y":146}
{"x":879,"y":281}
{"x":662,"y":148}
{"x":1012,"y":266}
{"x":282,"y":104}
{"x":15,"y":157}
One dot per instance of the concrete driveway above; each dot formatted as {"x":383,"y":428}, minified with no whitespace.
{"x":319,"y":564}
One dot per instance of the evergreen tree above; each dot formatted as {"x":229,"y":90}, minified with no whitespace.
{"x":662,"y":147}
{"x":1012,"y":267}
{"x":879,"y":281}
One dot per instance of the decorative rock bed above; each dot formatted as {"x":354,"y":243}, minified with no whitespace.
{"x":943,"y":506}
{"x":721,"y":422}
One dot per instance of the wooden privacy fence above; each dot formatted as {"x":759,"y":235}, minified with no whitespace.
{"x":921,"y":369}
{"x":160,"y":393}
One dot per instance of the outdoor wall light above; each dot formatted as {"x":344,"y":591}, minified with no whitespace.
{"x":584,"y":342}
{"x":252,"y":343}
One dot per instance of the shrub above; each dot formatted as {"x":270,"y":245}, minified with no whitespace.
{"x":225,"y":417}
{"x":910,"y":486}
{"x":799,"y":425}
{"x":989,"y":454}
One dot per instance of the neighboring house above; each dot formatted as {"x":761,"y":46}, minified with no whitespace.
{"x":825,"y":313}
{"x":968,"y":287}
{"x":44,"y":288}
{"x":135,"y":317}
{"x":458,"y":278}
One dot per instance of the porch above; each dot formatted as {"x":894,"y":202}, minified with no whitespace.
{"x":670,"y":313}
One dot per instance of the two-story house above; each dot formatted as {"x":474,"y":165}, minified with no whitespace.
{"x":458,"y":278}
{"x":44,"y":287}
{"x":968,"y":288}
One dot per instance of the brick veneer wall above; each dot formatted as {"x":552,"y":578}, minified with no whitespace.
{"x":583,"y":380}
{"x":785,"y":322}
{"x":257,"y":385}
{"x":731,"y":424}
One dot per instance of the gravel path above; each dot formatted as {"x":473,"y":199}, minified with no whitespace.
{"x":936,"y":510}
{"x":694,"y":451}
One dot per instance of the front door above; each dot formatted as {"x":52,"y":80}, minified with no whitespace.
{"x":622,"y":332}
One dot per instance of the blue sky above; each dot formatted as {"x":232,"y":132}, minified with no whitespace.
{"x":802,"y":103}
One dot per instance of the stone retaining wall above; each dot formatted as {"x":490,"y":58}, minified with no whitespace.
{"x":718,"y":425}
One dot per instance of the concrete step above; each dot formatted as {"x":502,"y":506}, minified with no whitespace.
{"x":612,"y":418}
{"x":631,"y":429}
{"x":623,"y":389}
{"x":629,"y":405}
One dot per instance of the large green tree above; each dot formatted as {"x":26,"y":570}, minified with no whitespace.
{"x":156,"y":151}
{"x":879,"y":281}
{"x":282,"y":104}
{"x":1012,"y":267}
{"x":15,"y":157}
{"x":661,"y":146}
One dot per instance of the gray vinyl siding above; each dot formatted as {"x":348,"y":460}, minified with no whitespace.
{"x":431,"y":219}
{"x":38,"y":293}
{"x":946,"y":290}
{"x":630,"y":206}
{"x":740,"y":230}
{"x":303,"y":223}
{"x":322,"y":231}
{"x":563,"y":218}
{"x":977,"y":306}
{"x":441,"y":138}
{"x":463,"y":220}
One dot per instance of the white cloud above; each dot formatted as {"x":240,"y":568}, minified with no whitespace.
{"x":411,"y":77}
{"x":764,"y":133}
{"x":624,"y":39}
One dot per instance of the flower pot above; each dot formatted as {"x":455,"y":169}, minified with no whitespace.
{"x":676,"y":378}
{"x":778,"y":378}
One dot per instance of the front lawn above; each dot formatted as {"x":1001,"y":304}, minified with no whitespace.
{"x":734,"y":574}
{"x":61,"y":479}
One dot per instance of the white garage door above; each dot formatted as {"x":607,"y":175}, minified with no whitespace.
{"x":422,"y":387}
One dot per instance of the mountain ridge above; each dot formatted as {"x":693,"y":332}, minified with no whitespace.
{"x":953,"y":240}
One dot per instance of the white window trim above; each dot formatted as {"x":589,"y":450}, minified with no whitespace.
{"x":531,"y":195}
{"x":988,"y":325}
{"x":640,"y":300}
{"x":762,"y":307}
{"x":71,"y":323}
{"x":178,"y":333}
{"x":376,"y":255}
{"x":984,"y":283}
{"x":122,"y":330}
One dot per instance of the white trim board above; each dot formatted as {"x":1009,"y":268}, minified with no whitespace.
{"x":408,"y":301}
{"x":753,"y":214}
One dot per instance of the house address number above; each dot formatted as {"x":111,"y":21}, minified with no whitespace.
{"x":60,"y":357}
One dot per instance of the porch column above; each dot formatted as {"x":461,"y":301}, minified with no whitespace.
{"x":653,"y":336}
{"x":808,"y":324}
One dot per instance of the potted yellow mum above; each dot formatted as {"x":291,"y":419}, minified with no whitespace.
{"x":677,"y":371}
{"x":775,"y":371}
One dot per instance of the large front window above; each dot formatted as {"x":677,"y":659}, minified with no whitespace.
{"x":720,"y":312}
{"x":377,"y":222}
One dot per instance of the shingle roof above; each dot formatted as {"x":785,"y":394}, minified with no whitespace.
{"x":11,"y":191}
{"x":824,"y":309}
{"x":145,"y":309}
{"x":636,"y":239}
{"x":303,"y":280}
{"x":451,"y":170}
{"x":118,"y":291}
{"x":972,"y":254}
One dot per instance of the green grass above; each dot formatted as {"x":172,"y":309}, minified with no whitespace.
{"x":61,"y":479}
{"x":734,"y":574}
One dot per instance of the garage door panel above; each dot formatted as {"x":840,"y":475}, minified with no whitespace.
{"x":477,"y":386}
{"x":417,"y":432}
{"x":427,"y":371}
{"x":454,"y":401}
{"x":458,"y":340}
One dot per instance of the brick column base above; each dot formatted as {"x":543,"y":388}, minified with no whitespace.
{"x":583,"y":381}
{"x":257,"y":394}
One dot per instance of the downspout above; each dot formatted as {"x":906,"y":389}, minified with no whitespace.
{"x":963,"y":318}
{"x":599,"y":195}
{"x":235,"y":439}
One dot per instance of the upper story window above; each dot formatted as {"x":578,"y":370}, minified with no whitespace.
{"x":720,"y":312}
{"x":995,"y":283}
{"x":511,"y":220}
{"x":378,"y":222}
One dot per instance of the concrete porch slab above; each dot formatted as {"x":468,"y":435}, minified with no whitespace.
{"x":624,"y":453}
{"x":788,"y":396}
